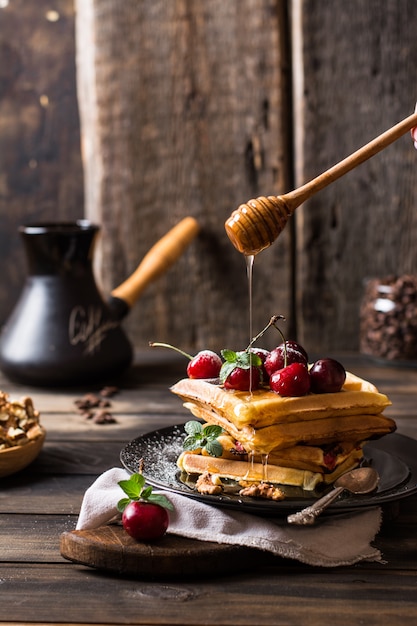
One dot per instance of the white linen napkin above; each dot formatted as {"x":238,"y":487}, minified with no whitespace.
{"x":333,"y":541}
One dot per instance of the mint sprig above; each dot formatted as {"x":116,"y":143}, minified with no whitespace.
{"x":203,"y":437}
{"x":244,"y":359}
{"x":135,"y":489}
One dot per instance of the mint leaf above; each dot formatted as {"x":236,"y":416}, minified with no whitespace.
{"x":204,"y":438}
{"x":158,"y":498}
{"x":135,"y":489}
{"x":145,"y":493}
{"x":133,"y":486}
{"x":193,"y":427}
{"x":247,"y":359}
{"x":192,"y":442}
{"x":214,"y":448}
{"x":212,"y":430}
{"x":226,"y":369}
{"x":122,"y":504}
{"x":243,"y":360}
{"x":229,"y":355}
{"x":195,"y":437}
{"x":256,"y":360}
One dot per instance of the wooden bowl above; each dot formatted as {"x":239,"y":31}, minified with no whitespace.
{"x":14,"y":459}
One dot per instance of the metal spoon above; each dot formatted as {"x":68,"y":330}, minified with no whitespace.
{"x":254,"y":226}
{"x":358,"y":481}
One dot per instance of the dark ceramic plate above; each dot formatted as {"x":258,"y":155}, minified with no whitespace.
{"x":394,"y":457}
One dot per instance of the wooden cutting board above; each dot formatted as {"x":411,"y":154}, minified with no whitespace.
{"x":110,"y":548}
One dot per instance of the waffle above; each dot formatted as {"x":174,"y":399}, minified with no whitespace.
{"x":298,"y":441}
{"x":263,"y":408}
{"x":244,"y":472}
{"x":324,"y":459}
{"x":264,"y":421}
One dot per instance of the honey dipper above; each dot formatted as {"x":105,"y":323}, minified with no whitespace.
{"x":255,"y":225}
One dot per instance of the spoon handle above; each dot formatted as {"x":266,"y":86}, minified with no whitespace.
{"x":308,"y":516}
{"x":293,"y":199}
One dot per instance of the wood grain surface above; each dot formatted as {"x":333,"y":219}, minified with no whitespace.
{"x":40,"y":154}
{"x":193,"y":121}
{"x":359,"y":63}
{"x":111,"y":549}
{"x":193,"y":108}
{"x":40,"y":505}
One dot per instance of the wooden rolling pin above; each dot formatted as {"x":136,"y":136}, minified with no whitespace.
{"x":256,"y":224}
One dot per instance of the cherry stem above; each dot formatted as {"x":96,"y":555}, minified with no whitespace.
{"x":155,"y":344}
{"x":271,"y":322}
{"x":282,"y":336}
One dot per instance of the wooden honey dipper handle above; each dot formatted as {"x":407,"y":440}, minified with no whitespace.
{"x":255,"y":225}
{"x":158,"y":260}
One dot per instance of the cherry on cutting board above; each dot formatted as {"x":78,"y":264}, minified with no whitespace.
{"x":144,"y":514}
{"x":145,"y":521}
{"x":205,"y":364}
{"x":291,"y":381}
{"x":327,"y":376}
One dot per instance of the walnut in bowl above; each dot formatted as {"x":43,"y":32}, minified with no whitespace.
{"x":21,"y":435}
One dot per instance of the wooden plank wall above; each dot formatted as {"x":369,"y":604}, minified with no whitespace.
{"x":186,"y":107}
{"x":40,"y":162}
{"x":188,"y":116}
{"x":359,"y":69}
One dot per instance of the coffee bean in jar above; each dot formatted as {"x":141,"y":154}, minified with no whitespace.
{"x":388,"y":319}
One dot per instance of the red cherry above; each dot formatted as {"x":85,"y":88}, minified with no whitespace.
{"x":327,"y":376}
{"x":291,"y":381}
{"x":240,"y":379}
{"x":205,"y":364}
{"x":276,"y":358}
{"x":145,"y":521}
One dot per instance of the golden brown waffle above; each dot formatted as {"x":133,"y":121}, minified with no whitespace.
{"x":248,"y":472}
{"x":287,"y":435}
{"x":323,"y":459}
{"x":263,"y":407}
{"x":310,"y":432}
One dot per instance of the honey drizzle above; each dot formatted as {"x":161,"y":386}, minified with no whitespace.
{"x":250,"y":260}
{"x":251,"y":457}
{"x":251,"y":473}
{"x":264,"y":467}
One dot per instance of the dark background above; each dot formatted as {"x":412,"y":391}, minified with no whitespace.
{"x":137,"y":113}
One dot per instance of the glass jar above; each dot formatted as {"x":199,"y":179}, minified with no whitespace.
{"x":388,"y":319}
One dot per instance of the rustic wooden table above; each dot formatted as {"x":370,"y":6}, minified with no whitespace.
{"x":38,"y":585}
